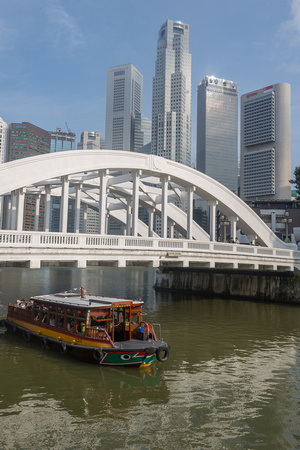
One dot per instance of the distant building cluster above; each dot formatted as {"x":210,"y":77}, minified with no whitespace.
{"x":262,"y":172}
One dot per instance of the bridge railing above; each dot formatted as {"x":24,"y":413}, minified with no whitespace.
{"x":33,"y":239}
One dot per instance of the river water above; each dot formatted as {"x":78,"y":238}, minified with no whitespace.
{"x":232,"y":380}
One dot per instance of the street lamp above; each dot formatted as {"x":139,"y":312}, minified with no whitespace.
{"x":224,"y":223}
{"x":287,"y":220}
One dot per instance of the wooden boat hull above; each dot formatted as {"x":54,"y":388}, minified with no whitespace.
{"x":133,"y":353}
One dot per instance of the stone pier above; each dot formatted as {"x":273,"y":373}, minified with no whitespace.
{"x":272,"y":286}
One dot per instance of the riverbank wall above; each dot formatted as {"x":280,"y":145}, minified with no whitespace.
{"x":260,"y":285}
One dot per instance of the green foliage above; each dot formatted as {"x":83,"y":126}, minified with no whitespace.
{"x":296,"y":181}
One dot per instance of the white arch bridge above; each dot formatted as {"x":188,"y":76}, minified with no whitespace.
{"x":116,"y":184}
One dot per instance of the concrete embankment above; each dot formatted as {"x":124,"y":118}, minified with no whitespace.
{"x":229,"y":283}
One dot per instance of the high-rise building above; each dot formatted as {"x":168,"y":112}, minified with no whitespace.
{"x":3,"y":140}
{"x":266,"y":143}
{"x":142,"y":131}
{"x":61,"y":142}
{"x":89,"y":140}
{"x":26,"y":139}
{"x":124,"y":97}
{"x":217,"y":130}
{"x":3,"y":149}
{"x":172,"y":94}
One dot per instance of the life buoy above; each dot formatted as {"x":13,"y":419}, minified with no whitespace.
{"x":44,"y":342}
{"x":98,"y":355}
{"x":27,"y":335}
{"x":63,"y":349}
{"x":162,"y":353}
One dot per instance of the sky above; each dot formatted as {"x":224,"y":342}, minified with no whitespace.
{"x":54,"y":54}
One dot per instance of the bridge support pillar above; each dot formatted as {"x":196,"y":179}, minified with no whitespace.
{"x":8,"y":220}
{"x":85,"y":207}
{"x":47,"y":208}
{"x":212,"y":219}
{"x":20,"y":210}
{"x":233,"y":220}
{"x":37,"y":212}
{"x":34,"y":264}
{"x":128,"y":216}
{"x":150,"y":221}
{"x":77,"y":207}
{"x":13,"y":218}
{"x":102,"y":200}
{"x":135,"y":200}
{"x":81,"y":264}
{"x":164,"y":204}
{"x":64,"y":204}
{"x":121,"y":263}
{"x":189,"y":228}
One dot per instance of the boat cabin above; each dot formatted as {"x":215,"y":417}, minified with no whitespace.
{"x":95,"y":317}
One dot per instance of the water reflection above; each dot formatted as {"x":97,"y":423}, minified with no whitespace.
{"x":232,"y":380}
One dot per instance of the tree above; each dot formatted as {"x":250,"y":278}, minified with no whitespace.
{"x":296,"y":181}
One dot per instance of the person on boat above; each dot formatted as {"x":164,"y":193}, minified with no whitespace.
{"x":52,"y":321}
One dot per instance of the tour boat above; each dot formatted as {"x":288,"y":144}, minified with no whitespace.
{"x":103,"y":330}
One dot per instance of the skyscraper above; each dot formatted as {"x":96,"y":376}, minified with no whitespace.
{"x":217,"y":130}
{"x":3,"y":140}
{"x":3,"y":149}
{"x":124,"y":98}
{"x":266,"y":143}
{"x":172,"y":93}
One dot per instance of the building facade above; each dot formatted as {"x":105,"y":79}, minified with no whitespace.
{"x":142,"y":131}
{"x":3,"y":140}
{"x":89,"y":140}
{"x":266,"y":143}
{"x":24,"y":140}
{"x":124,"y":98}
{"x":3,"y":150}
{"x":172,"y":94}
{"x":217,"y":130}
{"x":61,"y":142}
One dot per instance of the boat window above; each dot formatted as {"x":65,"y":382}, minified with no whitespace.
{"x":80,"y":326}
{"x":52,"y":320}
{"x":60,"y":321}
{"x":70,"y":324}
{"x":70,"y":311}
{"x":52,"y":308}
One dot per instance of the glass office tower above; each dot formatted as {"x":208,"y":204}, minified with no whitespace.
{"x":124,"y":98}
{"x":266,"y":143}
{"x":172,"y":94}
{"x":217,"y":130}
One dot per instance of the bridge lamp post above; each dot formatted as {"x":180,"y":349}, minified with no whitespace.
{"x":286,"y":221}
{"x":224,"y":223}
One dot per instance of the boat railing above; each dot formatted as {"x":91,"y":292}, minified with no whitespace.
{"x":153,"y":332}
{"x":19,"y":313}
{"x":98,"y":333}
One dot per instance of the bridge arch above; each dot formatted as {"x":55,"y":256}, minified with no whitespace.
{"x":116,"y":183}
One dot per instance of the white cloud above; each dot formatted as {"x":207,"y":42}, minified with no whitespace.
{"x":63,"y":29}
{"x":290,"y":29}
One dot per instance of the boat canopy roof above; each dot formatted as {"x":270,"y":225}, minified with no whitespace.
{"x":88,"y":301}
